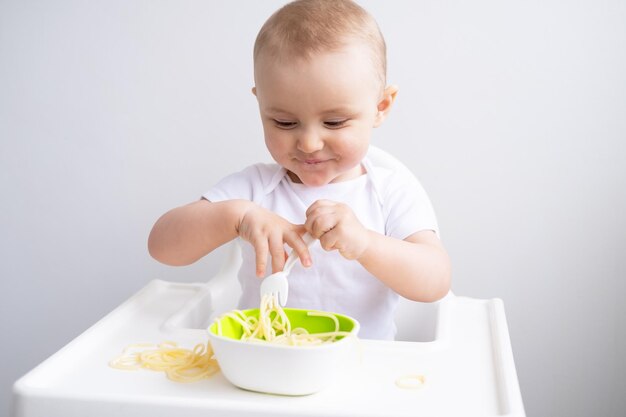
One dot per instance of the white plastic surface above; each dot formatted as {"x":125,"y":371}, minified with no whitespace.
{"x":468,"y":368}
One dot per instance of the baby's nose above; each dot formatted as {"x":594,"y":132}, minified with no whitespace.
{"x":310,"y":141}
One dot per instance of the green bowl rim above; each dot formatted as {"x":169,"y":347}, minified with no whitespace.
{"x":353,"y":333}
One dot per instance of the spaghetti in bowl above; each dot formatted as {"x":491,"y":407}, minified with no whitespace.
{"x":306,"y":350}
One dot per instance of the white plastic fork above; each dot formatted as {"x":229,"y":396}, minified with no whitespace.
{"x":276,"y":285}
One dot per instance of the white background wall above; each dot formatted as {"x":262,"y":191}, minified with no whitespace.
{"x":513,"y":115}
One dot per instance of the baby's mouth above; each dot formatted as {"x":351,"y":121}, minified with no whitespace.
{"x":313,"y":161}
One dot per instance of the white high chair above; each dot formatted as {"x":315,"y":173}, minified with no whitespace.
{"x":459,"y":345}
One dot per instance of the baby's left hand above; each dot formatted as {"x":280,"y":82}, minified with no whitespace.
{"x":337,"y":228}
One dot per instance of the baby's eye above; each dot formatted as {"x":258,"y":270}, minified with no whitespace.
{"x":284,"y":124}
{"x":335,"y":124}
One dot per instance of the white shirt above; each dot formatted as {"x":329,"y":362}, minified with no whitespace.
{"x":389,"y":202}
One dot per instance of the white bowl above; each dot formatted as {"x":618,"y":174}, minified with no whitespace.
{"x":281,"y":369}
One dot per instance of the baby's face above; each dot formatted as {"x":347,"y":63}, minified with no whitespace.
{"x":318,"y":114}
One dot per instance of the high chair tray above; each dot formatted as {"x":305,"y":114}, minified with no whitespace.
{"x":468,"y":370}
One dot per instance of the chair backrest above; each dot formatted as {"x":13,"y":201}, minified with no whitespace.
{"x":415,"y":321}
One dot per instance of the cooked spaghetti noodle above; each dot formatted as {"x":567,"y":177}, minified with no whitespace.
{"x":411,"y":381}
{"x":179,"y":364}
{"x":184,"y":365}
{"x":273,"y":326}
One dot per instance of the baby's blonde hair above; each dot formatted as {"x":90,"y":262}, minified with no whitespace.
{"x":303,"y":28}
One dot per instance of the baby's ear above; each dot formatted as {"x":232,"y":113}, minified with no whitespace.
{"x":385,"y":103}
{"x":254,"y":90}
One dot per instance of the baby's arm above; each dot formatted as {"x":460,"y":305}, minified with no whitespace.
{"x":185,"y":234}
{"x":417,"y":267}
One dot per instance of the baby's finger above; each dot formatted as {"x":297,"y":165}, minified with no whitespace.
{"x":260,"y":250}
{"x":319,"y":225}
{"x":318,"y":205}
{"x":328,"y":240}
{"x":300,"y":247}
{"x":277,"y":252}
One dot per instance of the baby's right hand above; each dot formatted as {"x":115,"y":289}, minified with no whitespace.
{"x":268,"y":233}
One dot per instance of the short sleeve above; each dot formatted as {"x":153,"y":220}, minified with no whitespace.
{"x":407,"y":206}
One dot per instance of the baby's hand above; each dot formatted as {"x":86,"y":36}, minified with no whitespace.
{"x":268,"y":233}
{"x":337,"y":228}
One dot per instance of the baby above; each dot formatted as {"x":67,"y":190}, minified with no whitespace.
{"x":320,"y":81}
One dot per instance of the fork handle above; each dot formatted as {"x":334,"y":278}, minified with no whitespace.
{"x":293,"y":256}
